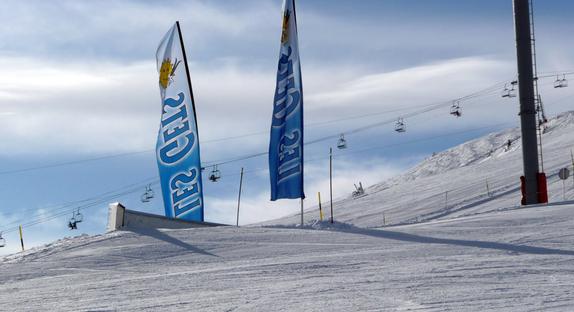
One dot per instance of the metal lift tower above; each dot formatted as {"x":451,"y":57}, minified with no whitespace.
{"x":527,"y":100}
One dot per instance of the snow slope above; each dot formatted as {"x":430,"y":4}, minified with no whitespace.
{"x":470,"y":252}
{"x":454,"y":182}
{"x":516,"y":260}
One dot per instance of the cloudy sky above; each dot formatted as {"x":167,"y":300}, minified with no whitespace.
{"x":78,"y":82}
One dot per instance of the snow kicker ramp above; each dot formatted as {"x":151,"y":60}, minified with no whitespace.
{"x":514,"y":260}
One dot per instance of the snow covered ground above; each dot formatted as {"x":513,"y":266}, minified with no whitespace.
{"x":515,"y":260}
{"x":464,"y":250}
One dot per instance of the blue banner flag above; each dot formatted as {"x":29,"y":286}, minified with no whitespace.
{"x":286,"y":145}
{"x":177,"y":148}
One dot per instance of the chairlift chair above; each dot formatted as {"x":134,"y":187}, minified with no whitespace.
{"x":561,"y":82}
{"x":215,"y":174}
{"x":342,"y":143}
{"x":78,"y":216}
{"x":73,"y":223}
{"x":400,"y":125}
{"x":359,"y":191}
{"x":147,"y":195}
{"x":2,"y":241}
{"x":509,"y":92}
{"x":455,"y":109}
{"x":144,"y":198}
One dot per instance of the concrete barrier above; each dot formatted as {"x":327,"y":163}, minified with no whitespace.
{"x":121,"y":218}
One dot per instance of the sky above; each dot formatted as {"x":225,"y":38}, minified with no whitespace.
{"x":78,"y":82}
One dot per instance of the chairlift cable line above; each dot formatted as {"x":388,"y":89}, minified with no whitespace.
{"x":385,"y":146}
{"x":427,"y":109}
{"x":434,"y":106}
{"x":136,"y":187}
{"x":60,"y":214}
{"x":104,"y":197}
{"x":67,"y":212}
{"x":66,"y":205}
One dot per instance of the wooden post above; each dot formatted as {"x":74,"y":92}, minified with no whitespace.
{"x":21,"y":237}
{"x":487,"y":188}
{"x":320,"y":209}
{"x":446,"y":199}
{"x":331,"y":180}
{"x":239,"y":196}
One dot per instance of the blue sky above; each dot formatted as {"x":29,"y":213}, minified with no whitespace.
{"x":78,"y":81}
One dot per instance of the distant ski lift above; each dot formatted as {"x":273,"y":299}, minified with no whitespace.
{"x":400,"y":125}
{"x":342,"y":143}
{"x":2,"y":241}
{"x":215,"y":174}
{"x":76,"y":218}
{"x":147,"y":195}
{"x":561,"y":82}
{"x":455,"y":109}
{"x":359,"y":191}
{"x":509,"y":92}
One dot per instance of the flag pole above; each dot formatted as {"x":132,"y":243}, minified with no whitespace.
{"x":301,"y":211}
{"x":187,"y":73}
{"x":239,"y":197}
{"x":21,"y":237}
{"x":192,"y":98}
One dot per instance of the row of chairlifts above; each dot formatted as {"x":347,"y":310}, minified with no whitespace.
{"x":456,"y":109}
{"x":2,"y":241}
{"x":561,"y":82}
{"x":510,"y":92}
{"x":76,"y":218}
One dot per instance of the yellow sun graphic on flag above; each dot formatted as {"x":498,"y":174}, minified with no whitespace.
{"x":285,"y":30}
{"x":167,"y":71}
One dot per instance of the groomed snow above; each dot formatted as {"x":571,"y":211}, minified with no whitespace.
{"x":515,"y":260}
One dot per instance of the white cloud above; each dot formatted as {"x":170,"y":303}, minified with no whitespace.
{"x":115,"y":107}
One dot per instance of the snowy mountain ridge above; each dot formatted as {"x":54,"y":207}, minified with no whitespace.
{"x":467,"y":179}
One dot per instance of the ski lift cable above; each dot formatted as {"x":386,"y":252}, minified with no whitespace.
{"x":63,"y":213}
{"x":105,"y":197}
{"x":429,"y":108}
{"x":347,"y":152}
{"x":480,"y":93}
{"x":60,"y":214}
{"x":105,"y":157}
{"x":38,"y":221}
{"x":131,"y":189}
{"x":334,"y":136}
{"x":67,"y":205}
